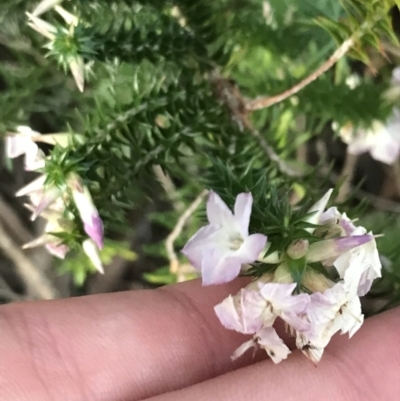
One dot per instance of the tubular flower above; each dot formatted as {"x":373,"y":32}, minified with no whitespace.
{"x":88,"y":212}
{"x":219,"y":249}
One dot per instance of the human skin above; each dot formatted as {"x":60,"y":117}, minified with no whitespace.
{"x":167,"y":345}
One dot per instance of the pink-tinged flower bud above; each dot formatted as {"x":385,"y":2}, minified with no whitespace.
{"x":52,"y":243}
{"x":297,"y":249}
{"x":332,"y":248}
{"x":92,"y":222}
{"x":92,"y":252}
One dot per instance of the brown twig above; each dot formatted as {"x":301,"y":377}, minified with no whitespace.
{"x":13,"y":224}
{"x":169,"y":188}
{"x":169,"y":242}
{"x":231,"y":96}
{"x":346,"y":176}
{"x":264,"y":102}
{"x":37,"y":284}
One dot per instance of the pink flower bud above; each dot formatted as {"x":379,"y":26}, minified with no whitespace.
{"x":323,"y":250}
{"x":92,"y":222}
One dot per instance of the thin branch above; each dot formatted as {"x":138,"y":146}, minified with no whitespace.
{"x":346,"y":176}
{"x":169,"y":188}
{"x":13,"y":223}
{"x":264,"y":102}
{"x":169,"y":242}
{"x":37,"y":284}
{"x":231,"y":96}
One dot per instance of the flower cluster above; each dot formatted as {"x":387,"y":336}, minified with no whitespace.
{"x":71,"y":58}
{"x":51,"y":201}
{"x":314,"y":307}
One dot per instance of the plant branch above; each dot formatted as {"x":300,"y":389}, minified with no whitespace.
{"x":169,"y":188}
{"x":264,"y":102}
{"x":231,"y":96}
{"x":169,"y":242}
{"x":37,"y":284}
{"x":346,"y":176}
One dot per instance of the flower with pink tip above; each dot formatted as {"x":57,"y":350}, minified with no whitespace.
{"x":360,"y":265}
{"x":53,"y":244}
{"x":88,"y":212}
{"x":219,"y":249}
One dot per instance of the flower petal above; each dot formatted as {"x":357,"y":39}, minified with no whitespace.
{"x":15,"y":146}
{"x":228,"y":315}
{"x":218,"y":267}
{"x":94,"y":229}
{"x":251,"y":248}
{"x":317,"y":209}
{"x":268,"y":339}
{"x":252,"y":305}
{"x":195,"y":247}
{"x":243,"y":204}
{"x":33,"y":186}
{"x":59,"y":251}
{"x":218,"y":212}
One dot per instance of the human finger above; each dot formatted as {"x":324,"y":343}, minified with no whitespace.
{"x":122,"y":346}
{"x":366,"y":368}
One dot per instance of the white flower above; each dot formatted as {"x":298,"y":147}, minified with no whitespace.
{"x":219,"y":249}
{"x":334,"y":310}
{"x":250,"y":310}
{"x":88,"y":212}
{"x":21,"y":143}
{"x":361,"y":265}
{"x":381,"y":140}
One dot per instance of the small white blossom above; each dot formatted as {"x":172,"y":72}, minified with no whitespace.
{"x":222,"y":247}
